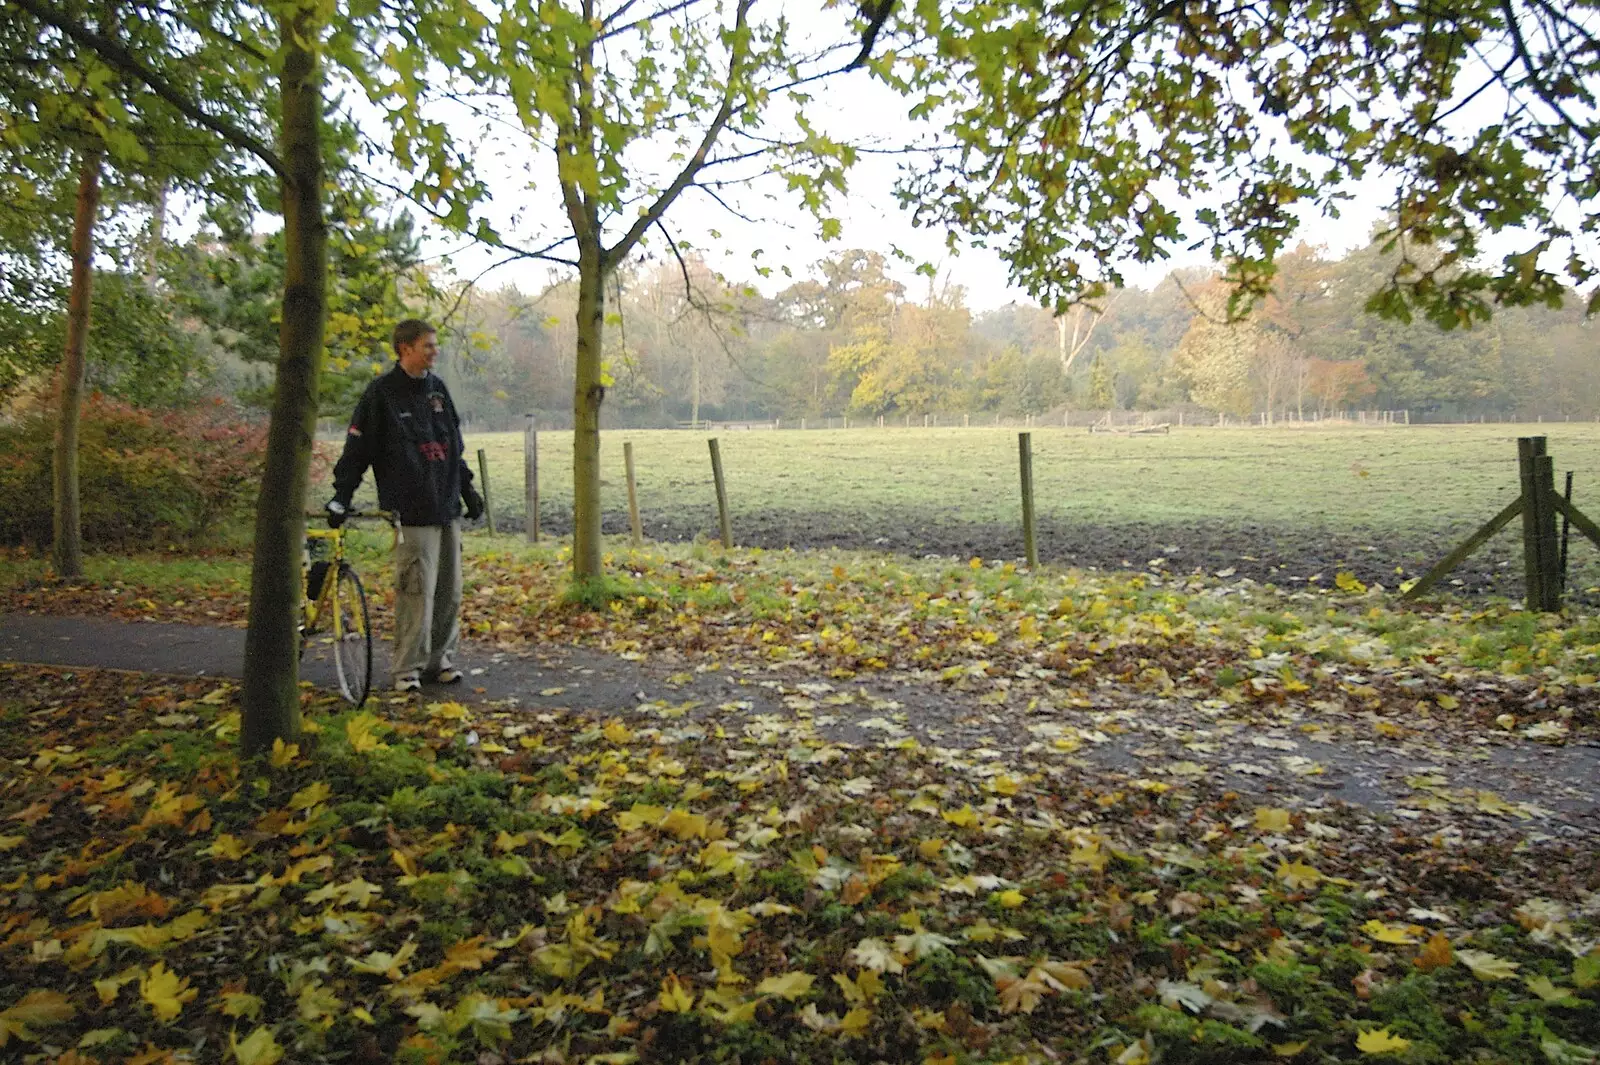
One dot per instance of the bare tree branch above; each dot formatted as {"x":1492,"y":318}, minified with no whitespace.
{"x":653,"y":213}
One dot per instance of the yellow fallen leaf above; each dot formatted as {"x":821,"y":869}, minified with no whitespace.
{"x":1298,"y":874}
{"x":1436,"y":953}
{"x":1289,"y":1050}
{"x":363,"y":731}
{"x":1011,"y":898}
{"x":37,"y":1008}
{"x":283,"y":753}
{"x":1398,"y":934}
{"x":1380,"y":1041}
{"x":1550,"y":991}
{"x":1447,"y":702}
{"x":789,"y":985}
{"x":258,"y":1048}
{"x":1486,"y":966}
{"x":1271,"y":818}
{"x":965,"y":817}
{"x":165,"y":991}
{"x":674,"y":997}
{"x":856,"y":1022}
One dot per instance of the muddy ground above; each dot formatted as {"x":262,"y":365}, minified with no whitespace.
{"x":1283,"y":555}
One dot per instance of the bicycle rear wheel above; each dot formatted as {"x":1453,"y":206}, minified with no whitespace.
{"x":352,"y":638}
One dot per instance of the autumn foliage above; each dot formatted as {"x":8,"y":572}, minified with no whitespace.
{"x":146,"y":475}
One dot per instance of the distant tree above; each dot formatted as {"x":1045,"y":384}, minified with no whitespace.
{"x":1216,"y":356}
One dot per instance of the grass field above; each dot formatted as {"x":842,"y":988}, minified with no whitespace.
{"x":1303,"y":500}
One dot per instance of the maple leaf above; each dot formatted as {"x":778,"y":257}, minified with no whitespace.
{"x":240,"y":1004}
{"x":875,"y":954}
{"x":856,"y":1022}
{"x":1586,"y":971}
{"x":1380,"y":1041}
{"x":109,"y":987}
{"x":364,"y":732}
{"x":1486,"y":966}
{"x":1400,"y":935}
{"x":471,"y":953}
{"x":37,"y":1008}
{"x":1061,"y":975}
{"x":1192,"y":997}
{"x":165,"y":991}
{"x":1298,"y":875}
{"x":313,"y":794}
{"x":920,"y":944}
{"x":258,"y":1048}
{"x":966,"y":817}
{"x":226,"y":847}
{"x":788,"y":985}
{"x":1550,"y":992}
{"x":1011,"y":898}
{"x":382,"y":963}
{"x":675,"y":997}
{"x":818,"y":1021}
{"x":1436,"y":953}
{"x":728,"y":1007}
{"x":489,"y":1019}
{"x":1272,"y":819}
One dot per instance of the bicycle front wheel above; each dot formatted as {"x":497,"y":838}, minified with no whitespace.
{"x":352,"y":638}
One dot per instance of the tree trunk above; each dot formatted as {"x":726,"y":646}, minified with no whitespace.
{"x":588,"y":394}
{"x":67,"y":549}
{"x":272,"y":644}
{"x":694,"y":387}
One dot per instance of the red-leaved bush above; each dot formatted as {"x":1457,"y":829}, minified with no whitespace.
{"x":142,"y":475}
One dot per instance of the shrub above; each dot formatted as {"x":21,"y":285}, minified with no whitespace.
{"x":142,"y":475}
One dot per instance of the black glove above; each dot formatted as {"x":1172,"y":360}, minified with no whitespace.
{"x":474,"y":502}
{"x":337,"y":513}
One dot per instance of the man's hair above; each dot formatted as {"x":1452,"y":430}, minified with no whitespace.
{"x":410,"y":331}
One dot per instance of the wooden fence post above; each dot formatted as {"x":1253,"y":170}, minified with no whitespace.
{"x":1541,"y":561}
{"x":530,"y":477}
{"x":634,"y":525}
{"x":488,"y":499}
{"x":1030,"y":546}
{"x":722,"y":494}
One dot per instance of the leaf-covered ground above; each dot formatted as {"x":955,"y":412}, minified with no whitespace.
{"x":702,"y":880}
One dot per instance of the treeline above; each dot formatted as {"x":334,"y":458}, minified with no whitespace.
{"x":686,"y":344}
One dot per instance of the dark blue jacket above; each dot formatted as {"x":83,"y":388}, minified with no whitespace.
{"x":406,"y":429}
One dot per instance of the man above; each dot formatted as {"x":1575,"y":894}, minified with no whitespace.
{"x":406,"y":429}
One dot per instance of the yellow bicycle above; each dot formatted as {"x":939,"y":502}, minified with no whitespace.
{"x":334,"y":607}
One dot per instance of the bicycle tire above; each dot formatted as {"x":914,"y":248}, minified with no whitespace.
{"x":351,"y":636}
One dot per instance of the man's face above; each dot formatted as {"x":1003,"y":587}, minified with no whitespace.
{"x":420,"y":354}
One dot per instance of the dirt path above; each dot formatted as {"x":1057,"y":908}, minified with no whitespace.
{"x":1467,"y":781}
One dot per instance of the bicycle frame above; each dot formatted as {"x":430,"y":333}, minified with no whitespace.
{"x":316,"y":602}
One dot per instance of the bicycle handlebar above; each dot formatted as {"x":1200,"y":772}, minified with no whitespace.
{"x":386,"y":515}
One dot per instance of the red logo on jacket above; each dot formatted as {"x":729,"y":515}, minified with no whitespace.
{"x":433,"y":451}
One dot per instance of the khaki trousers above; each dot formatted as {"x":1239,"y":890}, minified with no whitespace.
{"x":427,"y":599}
